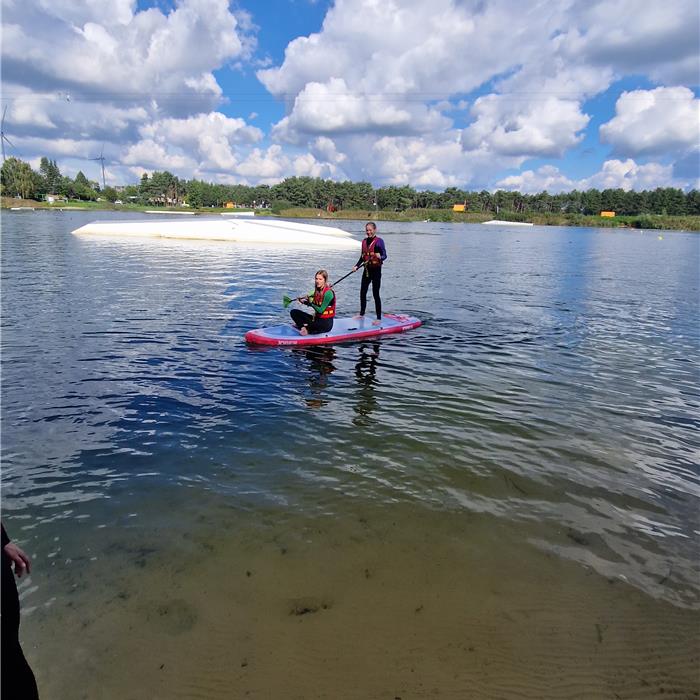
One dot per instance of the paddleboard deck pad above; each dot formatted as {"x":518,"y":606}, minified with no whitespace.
{"x":344,"y":330}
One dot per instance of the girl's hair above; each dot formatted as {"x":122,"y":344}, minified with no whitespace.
{"x":324,"y":273}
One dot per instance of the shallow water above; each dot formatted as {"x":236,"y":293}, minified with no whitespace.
{"x":502,"y":503}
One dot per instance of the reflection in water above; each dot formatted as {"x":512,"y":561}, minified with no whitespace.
{"x":320,"y":358}
{"x":366,"y":371}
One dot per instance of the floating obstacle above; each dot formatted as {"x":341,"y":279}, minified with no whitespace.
{"x":498,"y":222}
{"x":236,"y":230}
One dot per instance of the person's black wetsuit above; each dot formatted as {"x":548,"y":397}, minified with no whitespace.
{"x":18,"y":682}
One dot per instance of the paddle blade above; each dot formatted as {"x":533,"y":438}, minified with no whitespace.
{"x":286,"y":301}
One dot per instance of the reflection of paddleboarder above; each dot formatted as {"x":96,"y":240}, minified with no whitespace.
{"x":365,"y":371}
{"x":372,"y":257}
{"x":17,"y":677}
{"x":321,"y":365}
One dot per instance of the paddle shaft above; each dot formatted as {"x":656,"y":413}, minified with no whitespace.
{"x":337,"y":281}
{"x":344,"y":276}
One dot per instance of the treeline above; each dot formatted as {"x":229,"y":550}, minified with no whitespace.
{"x":18,"y":179}
{"x":165,"y":189}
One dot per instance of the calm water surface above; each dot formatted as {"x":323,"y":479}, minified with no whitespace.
{"x":502,"y":503}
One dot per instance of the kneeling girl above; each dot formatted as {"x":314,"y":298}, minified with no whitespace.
{"x":322,"y":301}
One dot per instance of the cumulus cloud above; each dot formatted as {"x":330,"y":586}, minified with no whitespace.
{"x":125,"y":78}
{"x":67,"y":147}
{"x":90,"y":55}
{"x":545,"y":127}
{"x":271,"y":165}
{"x":377,"y":66}
{"x":654,"y":122}
{"x":409,"y":47}
{"x":208,"y":137}
{"x":429,"y":161}
{"x":652,"y":38}
{"x":451,"y":92}
{"x":154,"y":156}
{"x":395,"y":69}
{"x":629,"y":175}
{"x":615,"y":174}
{"x":546,"y":178}
{"x":332,"y":108}
{"x":99,"y":70}
{"x":326,"y":149}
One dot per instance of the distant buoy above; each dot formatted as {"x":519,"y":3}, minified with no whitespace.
{"x":661,"y":238}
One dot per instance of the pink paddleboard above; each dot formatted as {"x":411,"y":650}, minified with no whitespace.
{"x":344,"y":330}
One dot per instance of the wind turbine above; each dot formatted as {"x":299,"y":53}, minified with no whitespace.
{"x":4,"y":138}
{"x":101,"y":158}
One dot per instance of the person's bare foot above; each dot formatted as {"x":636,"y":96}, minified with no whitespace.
{"x":359,"y":316}
{"x":304,"y":331}
{"x":377,"y":322}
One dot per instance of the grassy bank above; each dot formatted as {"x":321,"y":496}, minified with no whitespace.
{"x":642,"y":221}
{"x":75,"y":204}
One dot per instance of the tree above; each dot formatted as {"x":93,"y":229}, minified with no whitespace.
{"x":591,"y":202}
{"x":110,"y":194}
{"x":692,"y":203}
{"x":51,"y":175}
{"x":612,"y":200}
{"x":82,"y":188}
{"x":18,"y":179}
{"x":194,"y":193}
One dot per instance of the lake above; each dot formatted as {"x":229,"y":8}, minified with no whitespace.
{"x":501,"y":503}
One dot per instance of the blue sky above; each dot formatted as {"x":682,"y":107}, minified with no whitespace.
{"x":477,"y":94}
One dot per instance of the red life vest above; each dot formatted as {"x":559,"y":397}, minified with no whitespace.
{"x":318,"y":300}
{"x":368,"y":252}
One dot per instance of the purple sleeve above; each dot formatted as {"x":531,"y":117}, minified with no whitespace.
{"x":5,"y":538}
{"x":382,"y":248}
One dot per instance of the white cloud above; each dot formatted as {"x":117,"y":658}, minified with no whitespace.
{"x":451,"y":92}
{"x":659,"y":39}
{"x":117,"y":11}
{"x":654,"y":122}
{"x":391,"y":69}
{"x":614,"y":174}
{"x":629,"y":175}
{"x":546,"y":178}
{"x":265,"y":165}
{"x":410,"y":47}
{"x":376,"y":66}
{"x":28,"y":115}
{"x":429,"y":161}
{"x":332,"y":108}
{"x":154,"y":156}
{"x":545,"y":127}
{"x":139,"y":82}
{"x":273,"y":164}
{"x":307,"y":166}
{"x":97,"y":51}
{"x":325,"y":148}
{"x":73,"y":148}
{"x":208,"y":138}
{"x":405,"y":160}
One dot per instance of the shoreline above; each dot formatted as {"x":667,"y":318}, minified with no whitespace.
{"x":406,"y":597}
{"x":639,"y":222}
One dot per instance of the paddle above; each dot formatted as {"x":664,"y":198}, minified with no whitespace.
{"x":288,"y":300}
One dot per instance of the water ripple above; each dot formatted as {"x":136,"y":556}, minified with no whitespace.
{"x":553,"y":385}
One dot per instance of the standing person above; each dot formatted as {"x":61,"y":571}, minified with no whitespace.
{"x":17,"y":677}
{"x":322,"y":301}
{"x":372,"y":257}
